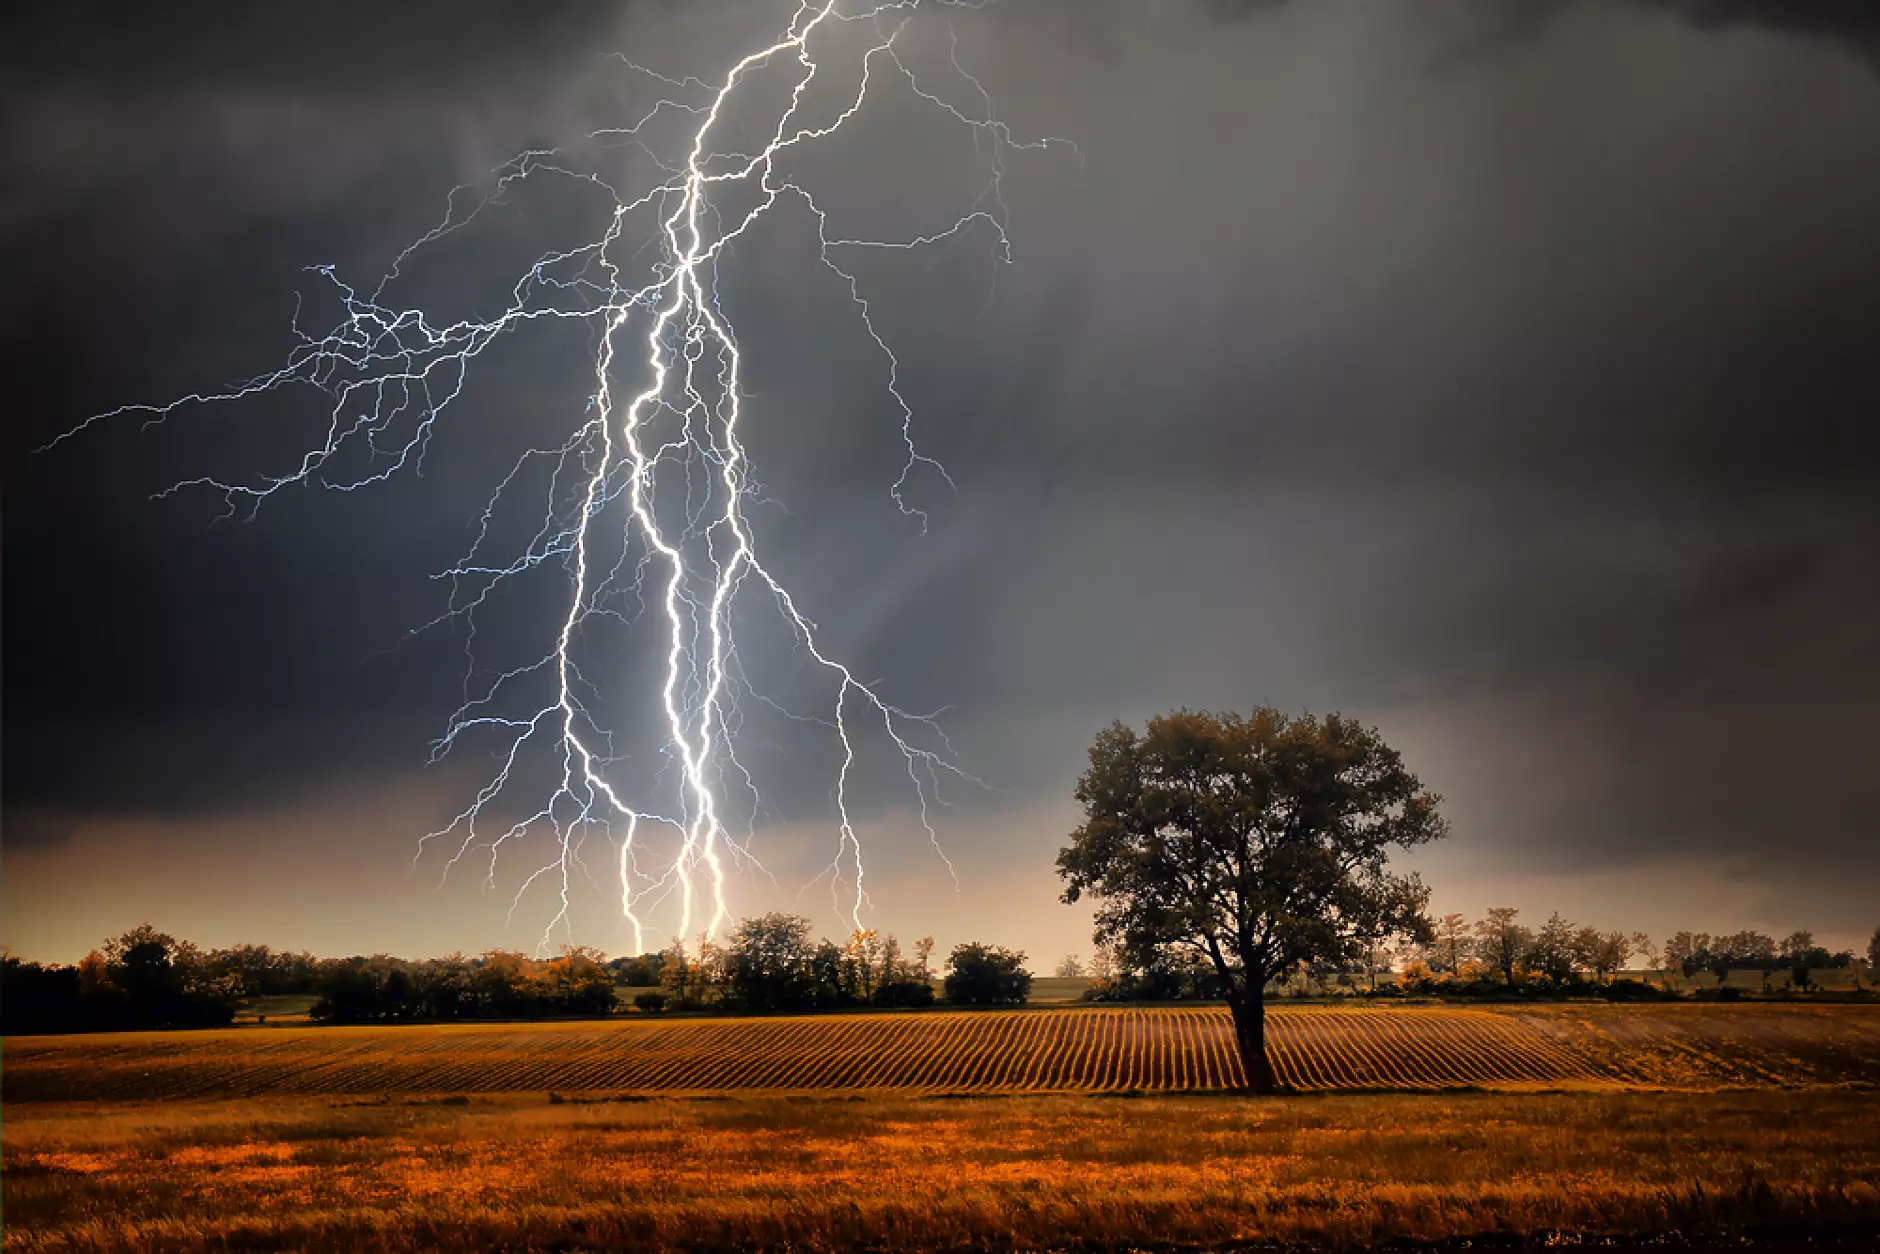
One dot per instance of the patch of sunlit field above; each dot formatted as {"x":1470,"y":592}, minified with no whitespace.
{"x":1331,"y":1171}
{"x":1067,"y":1050}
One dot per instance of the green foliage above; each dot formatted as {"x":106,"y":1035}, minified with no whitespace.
{"x":146,"y":979}
{"x":1603,"y":953}
{"x":1257,"y":842}
{"x":650,"y":1002}
{"x":1503,"y":944}
{"x":500,"y":984}
{"x":1166,"y":973}
{"x":986,"y":975}
{"x":767,"y":964}
{"x":641,"y":971}
{"x":1451,"y":944}
{"x":905,"y":991}
{"x":1551,"y":952}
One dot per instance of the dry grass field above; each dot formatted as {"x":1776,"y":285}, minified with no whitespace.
{"x":1033,"y":1051}
{"x":997,"y":1130}
{"x":892,"y":1172}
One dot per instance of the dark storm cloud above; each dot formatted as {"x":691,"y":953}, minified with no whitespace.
{"x":1493,"y":29}
{"x":342,"y":48}
{"x":1525,"y":403}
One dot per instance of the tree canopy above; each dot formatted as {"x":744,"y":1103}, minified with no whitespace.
{"x":1256,"y":842}
{"x":986,"y":975}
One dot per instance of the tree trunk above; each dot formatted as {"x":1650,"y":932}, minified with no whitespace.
{"x":1249,"y":1011}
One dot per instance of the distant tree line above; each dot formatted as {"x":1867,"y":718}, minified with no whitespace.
{"x":499,"y":984}
{"x":769,"y":963}
{"x":1690,"y":953}
{"x":146,"y":979}
{"x":1496,"y":955}
{"x":149,"y":979}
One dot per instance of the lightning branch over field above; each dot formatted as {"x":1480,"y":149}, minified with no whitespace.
{"x":645,"y":507}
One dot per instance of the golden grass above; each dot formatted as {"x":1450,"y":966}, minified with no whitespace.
{"x":1696,"y":1047}
{"x":900,"y":1173}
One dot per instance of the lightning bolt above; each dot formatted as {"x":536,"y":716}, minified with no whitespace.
{"x":663,"y":457}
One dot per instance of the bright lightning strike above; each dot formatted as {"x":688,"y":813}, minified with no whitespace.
{"x":647,"y":497}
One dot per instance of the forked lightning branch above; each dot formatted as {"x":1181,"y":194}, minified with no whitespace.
{"x":645,"y":514}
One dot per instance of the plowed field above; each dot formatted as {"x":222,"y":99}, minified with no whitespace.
{"x":1045,"y":1051}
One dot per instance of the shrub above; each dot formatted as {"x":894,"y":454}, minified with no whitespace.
{"x":651,"y":1003}
{"x":905,"y":992}
{"x":1630,"y":990}
{"x":1726,"y":993}
{"x":987,"y":975}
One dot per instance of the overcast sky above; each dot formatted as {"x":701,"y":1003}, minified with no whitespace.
{"x":1502,"y":374}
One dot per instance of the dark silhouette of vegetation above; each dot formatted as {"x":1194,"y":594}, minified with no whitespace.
{"x":769,"y":964}
{"x":1501,"y":942}
{"x":147,"y":979}
{"x":986,"y":975}
{"x":1498,"y":958}
{"x":638,"y":972}
{"x":500,"y":984}
{"x":1256,"y":843}
{"x":1803,"y":958}
{"x":142,"y":979}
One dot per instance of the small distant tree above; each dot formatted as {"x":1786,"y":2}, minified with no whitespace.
{"x":94,"y":975}
{"x":156,"y":981}
{"x":1803,"y":958}
{"x":578,"y":982}
{"x":650,"y":1002}
{"x":862,"y":966}
{"x":1069,"y":967}
{"x":897,"y":981}
{"x":904,"y":989}
{"x":1640,"y":946}
{"x":986,"y":975}
{"x":1501,"y":943}
{"x":640,"y":971}
{"x":1873,"y":950}
{"x":1105,"y":977}
{"x":1602,"y":953}
{"x":923,"y":958}
{"x":148,"y":977}
{"x":377,"y":989}
{"x":679,"y":977}
{"x":767,"y":963}
{"x":1552,"y":950}
{"x":1748,"y":948}
{"x":444,"y":989}
{"x":1687,"y":953}
{"x":1451,"y":944}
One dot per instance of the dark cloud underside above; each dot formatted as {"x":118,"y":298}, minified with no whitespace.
{"x":1502,"y":372}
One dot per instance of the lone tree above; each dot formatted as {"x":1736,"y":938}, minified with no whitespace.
{"x":1256,"y":843}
